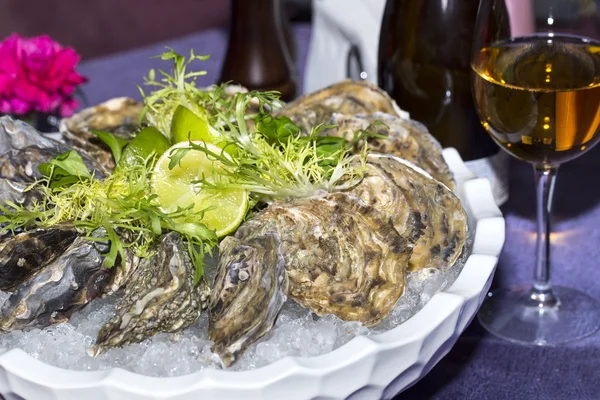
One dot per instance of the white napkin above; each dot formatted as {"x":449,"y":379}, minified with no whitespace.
{"x":344,"y":42}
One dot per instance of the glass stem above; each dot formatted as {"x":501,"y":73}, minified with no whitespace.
{"x":541,"y":292}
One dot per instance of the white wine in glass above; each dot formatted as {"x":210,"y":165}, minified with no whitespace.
{"x":537,"y":93}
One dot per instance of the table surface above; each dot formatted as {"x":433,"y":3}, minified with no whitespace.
{"x":480,"y":366}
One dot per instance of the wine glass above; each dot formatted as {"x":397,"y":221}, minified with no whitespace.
{"x":536,"y":86}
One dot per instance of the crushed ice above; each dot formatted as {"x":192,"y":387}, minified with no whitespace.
{"x":297,"y":332}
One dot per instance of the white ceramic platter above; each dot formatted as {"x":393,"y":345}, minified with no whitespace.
{"x":374,"y":367}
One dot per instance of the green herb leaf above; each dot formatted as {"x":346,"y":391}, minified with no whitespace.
{"x":276,"y":129}
{"x":116,"y":247}
{"x":115,"y":143}
{"x":65,"y":169}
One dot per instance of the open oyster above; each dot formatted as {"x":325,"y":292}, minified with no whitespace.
{"x":61,"y":287}
{"x":404,"y":138}
{"x":26,"y":253}
{"x":119,"y":116}
{"x":341,"y":257}
{"x":248,"y":292}
{"x":160,"y":296}
{"x":421,"y":209}
{"x":346,"y":97}
{"x":23,"y":149}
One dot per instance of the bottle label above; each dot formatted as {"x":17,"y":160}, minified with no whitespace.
{"x":494,"y":168}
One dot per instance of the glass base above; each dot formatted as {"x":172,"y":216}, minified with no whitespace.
{"x":514,"y":315}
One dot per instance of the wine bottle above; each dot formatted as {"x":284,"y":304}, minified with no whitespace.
{"x":260,"y":49}
{"x":424,"y":64}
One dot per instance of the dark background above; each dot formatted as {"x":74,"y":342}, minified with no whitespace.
{"x":96,"y":28}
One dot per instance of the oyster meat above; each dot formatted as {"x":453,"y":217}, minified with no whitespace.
{"x":160,"y":296}
{"x":119,"y":116}
{"x":406,"y":139}
{"x":346,"y":97}
{"x":26,"y":253}
{"x":424,"y":211}
{"x":61,"y":287}
{"x":249,"y":290}
{"x":340,"y":255}
{"x":23,"y":149}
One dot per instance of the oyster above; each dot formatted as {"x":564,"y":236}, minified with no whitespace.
{"x":16,"y":134}
{"x":16,"y":192}
{"x":248,"y":292}
{"x":341,"y":257}
{"x":26,"y":253}
{"x":346,"y":97}
{"x":406,"y":139}
{"x":421,"y":209}
{"x":160,"y":296}
{"x":61,"y":287}
{"x":119,"y":116}
{"x":23,"y":149}
{"x":122,"y":274}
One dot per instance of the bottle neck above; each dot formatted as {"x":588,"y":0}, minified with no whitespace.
{"x":258,"y":56}
{"x":255,"y":15}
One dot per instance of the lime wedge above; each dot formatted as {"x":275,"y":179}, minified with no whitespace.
{"x":225,"y":209}
{"x":147,"y":142}
{"x":187,"y":125}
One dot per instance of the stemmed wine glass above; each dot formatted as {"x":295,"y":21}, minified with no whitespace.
{"x":536,"y":85}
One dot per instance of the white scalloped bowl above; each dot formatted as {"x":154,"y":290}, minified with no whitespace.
{"x":374,"y":367}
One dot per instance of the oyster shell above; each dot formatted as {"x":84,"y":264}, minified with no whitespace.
{"x":406,"y":139}
{"x":160,"y":296}
{"x":346,"y":97}
{"x":248,"y":292}
{"x":26,"y":253}
{"x":23,"y":149}
{"x":16,"y":134}
{"x":16,"y":192}
{"x":122,"y":274}
{"x":119,"y":116}
{"x":421,"y":209}
{"x":63,"y":286}
{"x":341,"y":256}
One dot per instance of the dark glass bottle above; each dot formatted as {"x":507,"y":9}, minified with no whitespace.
{"x":424,"y":64}
{"x":258,"y":55}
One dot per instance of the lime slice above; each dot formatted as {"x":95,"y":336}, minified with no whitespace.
{"x":225,"y":209}
{"x":147,"y":142}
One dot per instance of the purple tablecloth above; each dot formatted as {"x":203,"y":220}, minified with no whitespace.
{"x":480,"y":366}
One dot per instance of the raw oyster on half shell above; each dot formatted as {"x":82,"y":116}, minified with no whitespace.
{"x":357,"y":106}
{"x":340,"y":255}
{"x":337,"y":255}
{"x":424,"y":211}
{"x":23,"y":149}
{"x":26,"y":253}
{"x":404,"y":138}
{"x":160,"y":296}
{"x":346,"y":97}
{"x":61,"y":287}
{"x":250,"y":288}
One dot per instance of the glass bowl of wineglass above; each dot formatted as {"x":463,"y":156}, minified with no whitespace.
{"x":536,"y":86}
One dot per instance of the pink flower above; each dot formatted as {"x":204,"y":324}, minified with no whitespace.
{"x":37,"y":74}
